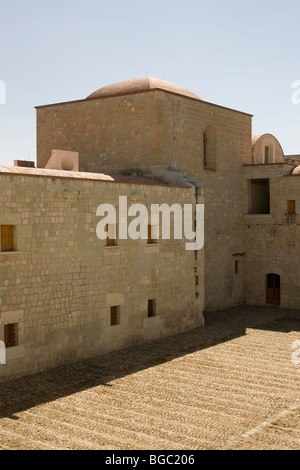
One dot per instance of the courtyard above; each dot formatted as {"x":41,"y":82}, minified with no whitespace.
{"x":229,"y":385}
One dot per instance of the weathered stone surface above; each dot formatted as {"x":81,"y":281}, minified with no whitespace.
{"x":61,"y":281}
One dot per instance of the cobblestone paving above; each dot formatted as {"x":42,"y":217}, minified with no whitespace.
{"x":230,"y":385}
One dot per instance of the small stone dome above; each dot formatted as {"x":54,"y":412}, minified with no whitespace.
{"x":141,"y":84}
{"x":296,"y":170}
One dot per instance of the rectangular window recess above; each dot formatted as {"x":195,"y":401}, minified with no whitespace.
{"x":11,"y":335}
{"x":7,"y":238}
{"x":151,"y":308}
{"x":115,"y":315}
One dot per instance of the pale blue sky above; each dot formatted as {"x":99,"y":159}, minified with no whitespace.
{"x":240,"y":54}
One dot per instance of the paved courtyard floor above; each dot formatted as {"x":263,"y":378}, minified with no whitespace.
{"x":229,"y":385}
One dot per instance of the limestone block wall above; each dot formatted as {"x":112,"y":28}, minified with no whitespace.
{"x":61,"y":281}
{"x":181,"y":124}
{"x":141,"y":130}
{"x":272,"y":248}
{"x":272,"y":241}
{"x":181,"y":129}
{"x":281,"y":187}
{"x":110,"y":134}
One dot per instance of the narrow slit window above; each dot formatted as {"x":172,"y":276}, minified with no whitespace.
{"x":7,"y":238}
{"x":267,"y":155}
{"x":210,"y":148}
{"x":236,"y":267}
{"x":205,"y":150}
{"x":11,"y":335}
{"x":115,"y":315}
{"x":151,"y":308}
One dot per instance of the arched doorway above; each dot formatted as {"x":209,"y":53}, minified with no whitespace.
{"x":273,"y":289}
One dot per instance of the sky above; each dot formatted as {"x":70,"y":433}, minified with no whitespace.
{"x":235,"y":53}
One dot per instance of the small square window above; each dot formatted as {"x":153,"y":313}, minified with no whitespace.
{"x":115,"y":315}
{"x":111,"y":235}
{"x":7,"y":238}
{"x":11,"y":335}
{"x":291,"y":207}
{"x":151,"y":308}
{"x":151,"y":239}
{"x":153,"y":233}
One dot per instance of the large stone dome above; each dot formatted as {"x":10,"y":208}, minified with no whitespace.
{"x":141,"y":84}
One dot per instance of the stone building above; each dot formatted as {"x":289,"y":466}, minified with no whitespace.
{"x":65,"y":294}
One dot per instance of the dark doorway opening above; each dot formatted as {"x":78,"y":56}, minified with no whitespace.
{"x":273,"y":289}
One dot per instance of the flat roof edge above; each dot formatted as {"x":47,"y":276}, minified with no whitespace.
{"x":140,"y":92}
{"x":79,"y":176}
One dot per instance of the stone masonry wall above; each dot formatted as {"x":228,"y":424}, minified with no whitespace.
{"x":61,"y":281}
{"x":160,"y":128}
{"x":110,"y":134}
{"x":272,"y":241}
{"x":182,"y":123}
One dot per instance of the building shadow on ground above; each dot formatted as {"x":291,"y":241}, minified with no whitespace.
{"x":30,"y":391}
